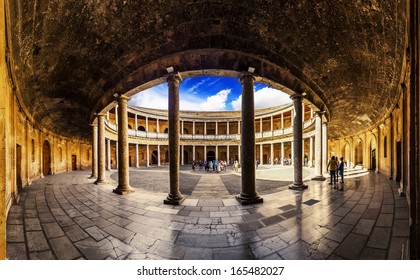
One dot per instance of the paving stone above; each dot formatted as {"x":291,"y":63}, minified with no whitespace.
{"x":339,"y":232}
{"x":233,"y":253}
{"x":267,"y":247}
{"x":379,"y":238}
{"x":15,"y":233}
{"x":75,"y":233}
{"x":46,"y":218}
{"x":64,"y":248}
{"x":84,"y":222}
{"x":373,"y":254}
{"x":352,"y":246}
{"x":364,"y":227}
{"x":300,"y":251}
{"x":168,"y":250}
{"x":45,"y":255}
{"x":242,"y":238}
{"x":248,"y":226}
{"x":401,"y":228}
{"x":385,"y":220}
{"x":16,"y":251}
{"x":192,"y":253}
{"x":15,"y":219}
{"x":36,"y":241}
{"x":351,"y":219}
{"x":396,"y":248}
{"x":118,"y":232}
{"x":52,"y":230}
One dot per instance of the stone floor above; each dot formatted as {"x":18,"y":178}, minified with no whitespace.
{"x":66,"y":216}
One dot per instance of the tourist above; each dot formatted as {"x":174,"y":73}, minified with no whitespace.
{"x":193,"y":165}
{"x":236,"y":166}
{"x":341,"y":169}
{"x":332,"y":167}
{"x":257,"y":162}
{"x":211,"y":168}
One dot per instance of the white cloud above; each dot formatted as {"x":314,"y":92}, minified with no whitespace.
{"x":157,"y":98}
{"x":263,"y":98}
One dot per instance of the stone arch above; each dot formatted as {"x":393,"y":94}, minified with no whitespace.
{"x":46,"y":158}
{"x":358,"y":152}
{"x":345,"y":153}
{"x":141,"y":128}
{"x":166,"y":130}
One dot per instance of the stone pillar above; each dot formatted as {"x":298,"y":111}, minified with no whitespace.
{"x":193,"y":132}
{"x":158,"y":154}
{"x":377,"y":133}
{"x":94,"y":151}
{"x":182,"y":127}
{"x":205,"y":152}
{"x":311,"y":147}
{"x":271,"y":124}
{"x":101,"y":149}
{"x":248,"y":193}
{"x":157,"y":125}
{"x":282,"y":153}
{"x":261,"y":153}
{"x":227,"y":128}
{"x":217,"y":129}
{"x":147,"y":155}
{"x":123,"y":152}
{"x":174,"y":197}
{"x":193,"y":152}
{"x":116,"y":155}
{"x":227,"y":155}
{"x":147,"y":124}
{"x":324,"y":156}
{"x":272,"y":154}
{"x":318,"y":147}
{"x":217,"y":153}
{"x":261,"y":125}
{"x":108,"y":152}
{"x":182,"y":155}
{"x":137,"y":155}
{"x":297,"y":143}
{"x":116,"y":115}
{"x":239,"y":128}
{"x":205,"y":128}
{"x":239,"y":155}
{"x":282,"y":121}
{"x":135,"y":123}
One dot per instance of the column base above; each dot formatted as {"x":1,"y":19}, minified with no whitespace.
{"x":318,"y":178}
{"x":123,"y":191}
{"x":93,"y":176}
{"x":247,"y":200}
{"x":298,"y":186}
{"x":174,"y":200}
{"x":100,"y":182}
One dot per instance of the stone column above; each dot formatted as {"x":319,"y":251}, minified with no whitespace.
{"x":227,"y":128}
{"x":158,"y":154}
{"x":318,"y":147}
{"x":282,"y":153}
{"x":205,"y":128}
{"x":123,"y":152}
{"x":282,"y":121}
{"x":157,"y":125}
{"x":297,"y":143}
{"x":248,"y":193}
{"x":311,"y":147}
{"x":182,"y":127}
{"x":193,"y":132}
{"x":217,"y":153}
{"x":324,"y":156}
{"x":182,"y":154}
{"x":261,"y":126}
{"x":108,"y":152}
{"x":137,"y":155}
{"x":94,"y":151}
{"x":174,"y":197}
{"x":227,"y":155}
{"x":261,"y":153}
{"x":239,"y":155}
{"x":147,"y":124}
{"x":272,"y":153}
{"x":217,"y":129}
{"x":147,"y":155}
{"x":239,"y":128}
{"x":205,"y":152}
{"x":135,"y":123}
{"x":101,"y":149}
{"x":193,"y":156}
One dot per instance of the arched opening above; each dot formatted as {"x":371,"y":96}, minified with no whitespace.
{"x":141,"y":128}
{"x":186,"y":160}
{"x":185,"y":131}
{"x":358,"y":153}
{"x":345,"y":152}
{"x":211,"y":155}
{"x":373,"y":155}
{"x":130,"y":127}
{"x":46,"y":158}
{"x":166,"y":130}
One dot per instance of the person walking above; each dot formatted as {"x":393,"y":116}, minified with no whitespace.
{"x":341,"y":169}
{"x":236,"y":166}
{"x":332,"y":167}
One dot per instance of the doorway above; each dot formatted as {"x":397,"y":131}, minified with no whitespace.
{"x":154,"y":157}
{"x":18,"y":166}
{"x":211,"y":156}
{"x":186,"y":157}
{"x":46,"y":158}
{"x":73,"y":162}
{"x":373,"y":158}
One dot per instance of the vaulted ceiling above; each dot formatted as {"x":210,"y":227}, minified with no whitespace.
{"x":68,"y":58}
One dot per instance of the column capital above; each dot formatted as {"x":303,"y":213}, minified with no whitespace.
{"x":121,"y":96}
{"x":319,"y":113}
{"x":297,"y":96}
{"x":174,"y":77}
{"x":246,"y":77}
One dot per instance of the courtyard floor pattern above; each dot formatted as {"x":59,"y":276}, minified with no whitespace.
{"x":67,"y":216}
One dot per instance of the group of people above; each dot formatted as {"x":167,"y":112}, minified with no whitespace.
{"x":210,"y":165}
{"x":336,"y":169}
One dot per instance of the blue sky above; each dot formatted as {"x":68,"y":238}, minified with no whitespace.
{"x":208,"y":93}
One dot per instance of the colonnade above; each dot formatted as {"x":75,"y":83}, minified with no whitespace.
{"x":248,"y":194}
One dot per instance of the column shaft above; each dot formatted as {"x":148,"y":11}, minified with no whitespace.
{"x":174,"y":196}
{"x":94,"y":151}
{"x":123,"y":148}
{"x":248,"y":193}
{"x":108,"y":154}
{"x":147,"y":156}
{"x":324,"y":157}
{"x":137,"y":155}
{"x":282,"y":153}
{"x":297,"y":143}
{"x":101,"y":149}
{"x":271,"y":154}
